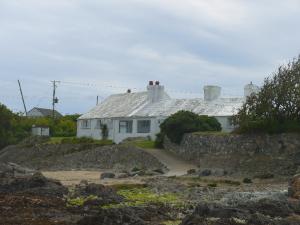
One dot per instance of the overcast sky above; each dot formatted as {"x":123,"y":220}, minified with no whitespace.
{"x":100,"y":47}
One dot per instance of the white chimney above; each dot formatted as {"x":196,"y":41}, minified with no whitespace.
{"x":250,"y":89}
{"x":156,"y":92}
{"x":211,"y":92}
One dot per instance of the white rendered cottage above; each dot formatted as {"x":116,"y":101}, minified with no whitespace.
{"x":140,"y":114}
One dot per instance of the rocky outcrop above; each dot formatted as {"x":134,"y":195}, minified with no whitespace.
{"x":102,"y":195}
{"x":294,"y":187}
{"x":262,"y":212}
{"x":79,"y":156}
{"x":128,"y":215}
{"x":244,"y":154}
{"x":17,"y":179}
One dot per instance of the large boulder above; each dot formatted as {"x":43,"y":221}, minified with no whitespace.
{"x":261,"y":212}
{"x":128,"y":216}
{"x":294,"y":187}
{"x":16,"y":179}
{"x":107,"y":175}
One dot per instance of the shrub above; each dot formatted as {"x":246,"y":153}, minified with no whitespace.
{"x":247,"y":181}
{"x":265,"y":176}
{"x":159,"y":140}
{"x":213,"y":185}
{"x":104,"y":132}
{"x":182,"y":122}
{"x":191,"y":171}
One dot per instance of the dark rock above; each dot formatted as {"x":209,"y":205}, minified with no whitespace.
{"x":107,"y":175}
{"x":205,"y":172}
{"x":123,"y":175}
{"x":191,"y":171}
{"x":127,"y":216}
{"x":262,"y":212}
{"x":268,"y":207}
{"x":15,"y":169}
{"x":135,"y":169}
{"x":112,"y":217}
{"x":218,"y":211}
{"x":264,"y":176}
{"x":105,"y":195}
{"x":294,"y":187}
{"x":23,"y":181}
{"x":247,"y":180}
{"x":159,"y":170}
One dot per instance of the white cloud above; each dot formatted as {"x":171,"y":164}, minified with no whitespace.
{"x":185,"y":44}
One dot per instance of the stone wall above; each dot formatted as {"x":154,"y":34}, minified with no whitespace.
{"x":241,"y":154}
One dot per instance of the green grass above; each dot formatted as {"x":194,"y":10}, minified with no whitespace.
{"x":128,"y":186}
{"x":170,"y":222}
{"x":56,"y":140}
{"x":78,"y":202}
{"x":75,"y":140}
{"x":218,"y":133}
{"x":145,"y":144}
{"x":144,"y":197}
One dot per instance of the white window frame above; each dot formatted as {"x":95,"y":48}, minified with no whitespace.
{"x":127,"y":124}
{"x":140,"y":129}
{"x":85,"y":124}
{"x":98,"y":124}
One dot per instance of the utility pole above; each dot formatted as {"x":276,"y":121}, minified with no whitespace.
{"x":54,"y":98}
{"x":97,"y":100}
{"x":22,"y":97}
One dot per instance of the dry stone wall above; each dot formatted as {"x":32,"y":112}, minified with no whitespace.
{"x":242,"y":154}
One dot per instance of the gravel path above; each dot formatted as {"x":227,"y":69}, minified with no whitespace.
{"x":176,"y":166}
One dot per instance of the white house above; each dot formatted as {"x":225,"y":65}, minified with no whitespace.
{"x":41,"y":112}
{"x":140,"y":114}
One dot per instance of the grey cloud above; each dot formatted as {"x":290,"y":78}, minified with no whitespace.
{"x":115,"y":44}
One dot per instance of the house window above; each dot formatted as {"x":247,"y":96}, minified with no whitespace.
{"x":125,"y":126}
{"x":98,"y":124}
{"x":143,"y":126}
{"x":85,"y":124}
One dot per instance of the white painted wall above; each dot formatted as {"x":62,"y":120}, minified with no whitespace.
{"x":113,"y":128}
{"x":225,"y":123}
{"x":93,"y":131}
{"x":40,"y":131}
{"x":117,"y":137}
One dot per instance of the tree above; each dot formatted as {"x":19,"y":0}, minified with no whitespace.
{"x":182,"y":122}
{"x":276,"y":108}
{"x":6,"y":126}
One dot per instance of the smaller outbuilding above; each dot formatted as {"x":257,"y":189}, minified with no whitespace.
{"x":40,"y":131}
{"x":42,"y":112}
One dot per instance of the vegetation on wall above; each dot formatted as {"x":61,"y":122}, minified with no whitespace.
{"x":182,"y":122}
{"x":276,"y":108}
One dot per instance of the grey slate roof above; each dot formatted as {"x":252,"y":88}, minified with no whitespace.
{"x":138,"y":105}
{"x":47,"y":112}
